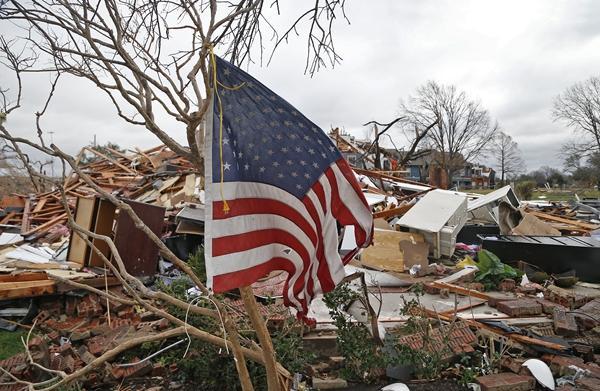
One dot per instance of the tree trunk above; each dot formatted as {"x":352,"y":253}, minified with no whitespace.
{"x":263,"y":337}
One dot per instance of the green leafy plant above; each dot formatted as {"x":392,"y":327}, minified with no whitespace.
{"x":468,"y":370}
{"x":196,"y":262}
{"x":429,"y":361}
{"x":492,"y":271}
{"x":208,"y":367}
{"x":364,"y":361}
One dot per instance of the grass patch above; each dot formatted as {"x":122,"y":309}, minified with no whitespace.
{"x":11,"y":344}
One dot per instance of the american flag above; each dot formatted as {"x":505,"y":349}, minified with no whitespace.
{"x":286,"y":187}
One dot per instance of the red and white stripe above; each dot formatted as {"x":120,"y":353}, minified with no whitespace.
{"x":269,"y":229}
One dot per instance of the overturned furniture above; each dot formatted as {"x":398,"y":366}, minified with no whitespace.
{"x":139,"y":254}
{"x":438,"y":216}
{"x":485,"y":208}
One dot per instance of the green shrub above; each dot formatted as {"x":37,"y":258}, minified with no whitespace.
{"x":525,"y":189}
{"x":209,"y":367}
{"x":363,"y":359}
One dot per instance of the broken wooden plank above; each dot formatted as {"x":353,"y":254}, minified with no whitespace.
{"x":374,"y":174}
{"x":13,"y":290}
{"x":39,"y":205}
{"x":21,"y":277}
{"x":8,"y":217}
{"x":25,"y":222}
{"x":84,"y":217}
{"x":46,"y":225}
{"x":392,"y":212}
{"x":460,"y":290}
{"x":576,"y":223}
{"x":116,"y":163}
{"x":121,"y":154}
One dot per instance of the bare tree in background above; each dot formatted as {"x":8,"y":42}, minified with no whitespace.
{"x":152,"y":62}
{"x":415,"y":142}
{"x":507,"y":157}
{"x":463,"y":128}
{"x":579,"y":107}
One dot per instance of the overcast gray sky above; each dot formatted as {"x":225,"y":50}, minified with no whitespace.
{"x":514,"y":56}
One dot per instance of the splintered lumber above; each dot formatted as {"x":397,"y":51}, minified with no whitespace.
{"x":147,"y":157}
{"x":121,"y":154}
{"x":116,"y":163}
{"x":7,"y":218}
{"x":460,"y":290}
{"x":94,"y":282}
{"x":26,"y":215}
{"x":40,"y":205}
{"x":46,"y":225}
{"x":378,"y":175}
{"x":111,"y":171}
{"x":14,"y":290}
{"x":392,"y":212}
{"x":571,"y":222}
{"x":21,"y":277}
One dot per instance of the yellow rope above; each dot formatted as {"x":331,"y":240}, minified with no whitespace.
{"x":216,"y":84}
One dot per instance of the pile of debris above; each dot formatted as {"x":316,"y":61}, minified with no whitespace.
{"x":513,"y":280}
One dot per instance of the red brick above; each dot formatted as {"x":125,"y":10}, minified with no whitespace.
{"x":566,"y":387}
{"x":520,"y":307}
{"x":514,"y":365}
{"x":592,"y":309}
{"x":131,"y":371}
{"x":564,"y":323}
{"x":71,"y":305}
{"x":526,"y":290}
{"x":476,"y":286}
{"x":584,"y":351}
{"x":459,"y":335}
{"x":559,"y":365}
{"x":506,"y":382}
{"x":494,"y":300}
{"x":429,"y":288}
{"x":85,"y":355}
{"x":159,"y":370}
{"x":565,"y":297}
{"x":51,"y":304}
{"x":53,"y":336}
{"x":126,"y":312}
{"x":89,"y":306}
{"x":38,"y":347}
{"x":594,"y":370}
{"x":588,"y":384}
{"x":68,"y":365}
{"x":507,"y":285}
{"x":101,"y":343}
{"x":96,"y":345}
{"x":14,"y":361}
{"x":42,"y":316}
{"x":549,"y":306}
